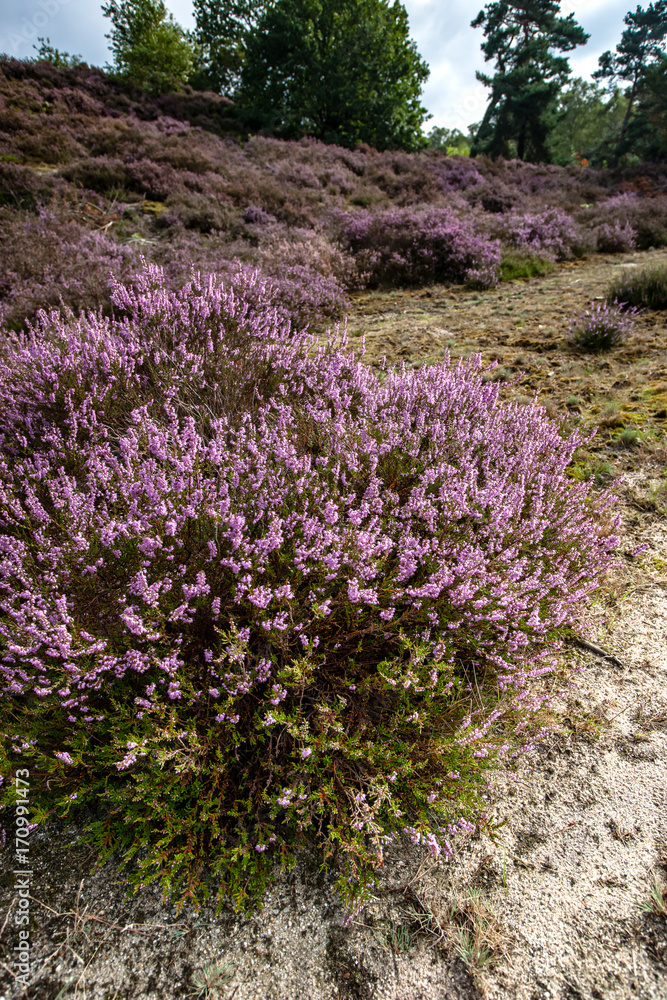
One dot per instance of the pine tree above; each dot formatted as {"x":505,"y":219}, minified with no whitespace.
{"x":524,"y":39}
{"x":642,"y":45}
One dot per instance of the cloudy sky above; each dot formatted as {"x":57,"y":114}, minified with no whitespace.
{"x":441,"y":29}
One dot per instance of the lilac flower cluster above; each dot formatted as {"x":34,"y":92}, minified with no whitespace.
{"x":549,"y":233}
{"x":255,"y":576}
{"x":601,"y":327}
{"x":409,"y":246}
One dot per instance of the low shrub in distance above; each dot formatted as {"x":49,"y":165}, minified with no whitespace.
{"x":647,"y":217}
{"x":644,"y":287}
{"x":253,"y":594}
{"x":549,"y":233}
{"x":602,"y":326}
{"x":615,"y":237}
{"x":407,"y":246}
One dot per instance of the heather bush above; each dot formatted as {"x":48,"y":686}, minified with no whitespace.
{"x":255,"y":595}
{"x":255,"y":216}
{"x":549,"y":233}
{"x":48,"y":145}
{"x":646,"y":216}
{"x":22,"y":187}
{"x":281,"y":247}
{"x":456,"y":173}
{"x":644,"y":287}
{"x":615,"y":237}
{"x":601,"y":327}
{"x":309,"y":272}
{"x":418,"y":247}
{"x":205,"y":213}
{"x":49,"y":260}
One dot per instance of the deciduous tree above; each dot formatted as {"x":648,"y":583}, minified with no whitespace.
{"x":149,"y":48}
{"x":344,"y":72}
{"x":223,"y":27}
{"x":588,"y":124}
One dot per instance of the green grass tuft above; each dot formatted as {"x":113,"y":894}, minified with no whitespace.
{"x":642,"y":288}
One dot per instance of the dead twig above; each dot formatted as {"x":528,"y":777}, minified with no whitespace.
{"x":592,"y":648}
{"x":9,"y":910}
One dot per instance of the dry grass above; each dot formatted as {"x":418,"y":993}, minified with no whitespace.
{"x":468,"y":926}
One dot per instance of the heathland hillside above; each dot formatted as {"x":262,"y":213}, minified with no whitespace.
{"x":93,"y":177}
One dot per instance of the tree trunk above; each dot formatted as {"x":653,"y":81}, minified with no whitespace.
{"x":484,"y":124}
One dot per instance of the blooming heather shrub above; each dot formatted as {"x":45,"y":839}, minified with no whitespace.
{"x":253,"y":594}
{"x":646,"y":216}
{"x":298,"y":293}
{"x":48,"y":260}
{"x":281,"y":247}
{"x":615,"y":237}
{"x":406,"y":246}
{"x":255,"y":216}
{"x":456,"y":173}
{"x":602,"y":326}
{"x":550,"y":233}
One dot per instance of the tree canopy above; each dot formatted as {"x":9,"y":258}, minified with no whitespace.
{"x":149,"y":48}
{"x":344,"y":72}
{"x":588,"y":123}
{"x":524,"y":39}
{"x":221,"y":34}
{"x":640,"y":48}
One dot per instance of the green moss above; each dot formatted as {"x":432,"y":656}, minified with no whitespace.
{"x":515,"y":265}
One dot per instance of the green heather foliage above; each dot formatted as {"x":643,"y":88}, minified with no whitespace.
{"x":644,"y":287}
{"x":602,"y":326}
{"x":254,"y":595}
{"x":516,"y":264}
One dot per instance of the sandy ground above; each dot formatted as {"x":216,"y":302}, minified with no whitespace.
{"x":555,"y":906}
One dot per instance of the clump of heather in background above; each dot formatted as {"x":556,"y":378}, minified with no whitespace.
{"x":255,"y":595}
{"x":615,"y":237}
{"x":602,"y":326}
{"x":549,"y":233}
{"x":408,"y":246}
